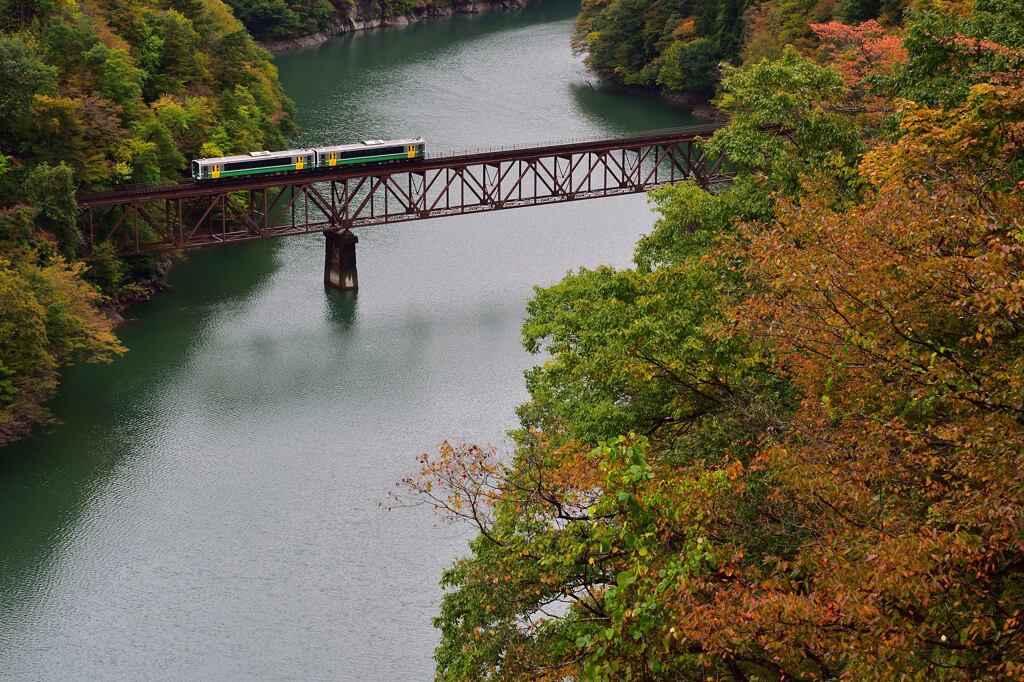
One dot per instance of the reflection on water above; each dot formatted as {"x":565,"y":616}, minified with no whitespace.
{"x":341,"y":307}
{"x":207,"y":509}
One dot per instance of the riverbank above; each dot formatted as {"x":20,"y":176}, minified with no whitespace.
{"x":698,"y":104}
{"x":359,"y":18}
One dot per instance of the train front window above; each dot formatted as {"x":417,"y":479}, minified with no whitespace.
{"x":195,"y":169}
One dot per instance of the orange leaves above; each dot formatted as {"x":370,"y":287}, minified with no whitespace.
{"x":901,"y":320}
{"x":734,"y":470}
{"x":686,"y":29}
{"x":461,"y":482}
{"x":862,"y":54}
{"x":860,"y":51}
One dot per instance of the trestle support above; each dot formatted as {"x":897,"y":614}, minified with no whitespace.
{"x":340,"y":260}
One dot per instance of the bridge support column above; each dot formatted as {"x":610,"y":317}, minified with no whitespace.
{"x":340,"y":260}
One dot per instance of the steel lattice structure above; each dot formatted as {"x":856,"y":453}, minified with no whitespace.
{"x":198,"y":214}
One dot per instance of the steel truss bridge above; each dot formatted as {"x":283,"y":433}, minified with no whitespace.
{"x":334,"y":201}
{"x":191,"y":215}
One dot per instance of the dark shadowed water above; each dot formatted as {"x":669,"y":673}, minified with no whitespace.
{"x":208,"y":509}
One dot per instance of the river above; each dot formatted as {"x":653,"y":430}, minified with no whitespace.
{"x":208,"y":507}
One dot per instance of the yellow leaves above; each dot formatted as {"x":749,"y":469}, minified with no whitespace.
{"x":49,"y":316}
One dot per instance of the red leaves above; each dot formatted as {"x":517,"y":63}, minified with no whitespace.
{"x":860,"y":53}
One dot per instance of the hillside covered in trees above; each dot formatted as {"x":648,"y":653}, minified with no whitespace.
{"x":788,"y":444}
{"x":94,"y":94}
{"x":274,"y":20}
{"x":679,"y":44}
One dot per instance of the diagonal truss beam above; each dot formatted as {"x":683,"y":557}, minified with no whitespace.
{"x":196,"y":215}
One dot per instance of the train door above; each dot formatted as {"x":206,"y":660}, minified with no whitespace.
{"x":410,"y":151}
{"x":215,"y":171}
{"x":299,"y":162}
{"x":332,"y":158}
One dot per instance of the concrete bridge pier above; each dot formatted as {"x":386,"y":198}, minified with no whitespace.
{"x":340,"y":260}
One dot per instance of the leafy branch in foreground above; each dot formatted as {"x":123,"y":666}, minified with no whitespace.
{"x":820,"y":374}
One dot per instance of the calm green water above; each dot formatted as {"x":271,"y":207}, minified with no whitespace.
{"x":208,"y":509}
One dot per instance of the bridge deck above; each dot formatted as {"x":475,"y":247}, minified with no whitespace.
{"x":191,"y":188}
{"x":195,"y":214}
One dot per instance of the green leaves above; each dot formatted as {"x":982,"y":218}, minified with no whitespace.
{"x":824,"y":364}
{"x":23,"y":73}
{"x":647,"y":42}
{"x":782,"y":121}
{"x":91,"y":96}
{"x":51,"y":191}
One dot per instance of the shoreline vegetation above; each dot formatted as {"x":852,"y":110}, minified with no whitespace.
{"x":353,"y":18}
{"x":97,"y":94}
{"x":786,"y":443}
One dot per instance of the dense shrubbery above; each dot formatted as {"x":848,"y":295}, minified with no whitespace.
{"x":787,"y":444}
{"x":276,"y":19}
{"x":679,"y":44}
{"x":280,"y":19}
{"x":92,"y":95}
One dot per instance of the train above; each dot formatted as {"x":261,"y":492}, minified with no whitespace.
{"x":254,"y":163}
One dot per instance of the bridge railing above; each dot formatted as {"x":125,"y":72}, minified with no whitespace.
{"x":192,"y":215}
{"x":639,"y":137}
{"x":645,"y":135}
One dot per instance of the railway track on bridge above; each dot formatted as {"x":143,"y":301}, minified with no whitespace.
{"x":198,"y":214}
{"x":191,"y":188}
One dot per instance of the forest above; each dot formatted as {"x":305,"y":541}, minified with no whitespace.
{"x":786,"y":444}
{"x":271,"y":20}
{"x":679,"y":45}
{"x":92,"y":95}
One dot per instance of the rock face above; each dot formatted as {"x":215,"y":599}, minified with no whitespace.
{"x":361,"y":16}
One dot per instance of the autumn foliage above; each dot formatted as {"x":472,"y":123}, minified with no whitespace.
{"x":93,"y":94}
{"x":787,"y":445}
{"x":900,"y":321}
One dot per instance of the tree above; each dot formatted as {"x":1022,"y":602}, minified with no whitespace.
{"x":951,"y":48}
{"x":22,"y":75}
{"x":26,"y":366}
{"x":786,"y":445}
{"x":266,"y":18}
{"x":51,"y":190}
{"x":182,"y":63}
{"x":784,"y":123}
{"x":690,"y":66}
{"x":901,"y":321}
{"x":860,"y":52}
{"x":48,"y":318}
{"x":120,"y":80}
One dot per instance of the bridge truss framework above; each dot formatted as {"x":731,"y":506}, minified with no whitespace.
{"x":199,"y":214}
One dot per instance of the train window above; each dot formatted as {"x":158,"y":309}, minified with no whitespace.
{"x":379,"y":151}
{"x":258,"y":163}
{"x":195,"y":169}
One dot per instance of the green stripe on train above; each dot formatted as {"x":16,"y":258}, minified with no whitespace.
{"x":341,"y":162}
{"x":365,"y":159}
{"x":254,"y":171}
